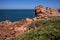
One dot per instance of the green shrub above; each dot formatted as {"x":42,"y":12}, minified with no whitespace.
{"x":48,"y":30}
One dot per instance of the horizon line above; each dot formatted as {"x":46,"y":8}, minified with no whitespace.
{"x":13,"y":9}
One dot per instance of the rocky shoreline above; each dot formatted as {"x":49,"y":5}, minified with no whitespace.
{"x":9,"y":29}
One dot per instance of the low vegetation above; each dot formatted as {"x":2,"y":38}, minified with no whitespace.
{"x":42,"y":30}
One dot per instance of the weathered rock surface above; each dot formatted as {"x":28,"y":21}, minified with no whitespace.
{"x":10,"y":29}
{"x":43,"y":13}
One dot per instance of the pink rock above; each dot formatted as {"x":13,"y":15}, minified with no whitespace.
{"x":43,"y":13}
{"x":29,"y":20}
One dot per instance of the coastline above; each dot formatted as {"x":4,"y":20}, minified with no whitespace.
{"x":20,"y":27}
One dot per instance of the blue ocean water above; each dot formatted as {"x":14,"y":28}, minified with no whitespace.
{"x":18,"y":14}
{"x":14,"y":15}
{"x":59,"y":10}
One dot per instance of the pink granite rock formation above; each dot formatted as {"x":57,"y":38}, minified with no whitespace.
{"x":43,"y":13}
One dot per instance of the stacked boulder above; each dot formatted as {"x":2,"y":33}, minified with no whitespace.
{"x":52,"y":12}
{"x":40,"y":12}
{"x":43,"y":13}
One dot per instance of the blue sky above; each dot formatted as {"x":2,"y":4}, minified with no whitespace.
{"x":28,"y":4}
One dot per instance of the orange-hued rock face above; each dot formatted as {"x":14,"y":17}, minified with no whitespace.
{"x":43,"y":13}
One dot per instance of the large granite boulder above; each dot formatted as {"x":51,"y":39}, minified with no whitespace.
{"x":40,"y":12}
{"x":43,"y":13}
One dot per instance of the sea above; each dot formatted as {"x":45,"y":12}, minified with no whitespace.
{"x":16,"y":14}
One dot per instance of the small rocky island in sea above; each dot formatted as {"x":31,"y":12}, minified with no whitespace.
{"x":9,"y":30}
